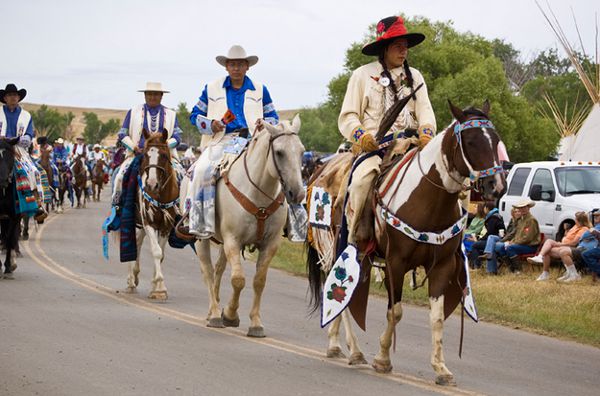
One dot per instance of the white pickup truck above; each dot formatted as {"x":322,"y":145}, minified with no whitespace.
{"x":559,"y":189}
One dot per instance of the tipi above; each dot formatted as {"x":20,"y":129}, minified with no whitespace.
{"x":580,"y":138}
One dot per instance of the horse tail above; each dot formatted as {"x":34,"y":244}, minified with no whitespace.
{"x":314,"y":277}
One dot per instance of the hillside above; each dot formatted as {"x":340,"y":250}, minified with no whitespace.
{"x":78,"y":124}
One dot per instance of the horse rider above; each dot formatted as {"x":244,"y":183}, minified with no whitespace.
{"x":227,"y":108}
{"x":372,"y":90}
{"x":17,"y":122}
{"x":44,"y":146}
{"x":60,"y":154}
{"x":153,"y":117}
{"x":97,"y":154}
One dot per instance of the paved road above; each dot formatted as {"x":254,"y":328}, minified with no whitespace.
{"x":67,"y":328}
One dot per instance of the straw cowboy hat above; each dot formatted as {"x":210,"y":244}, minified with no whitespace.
{"x":237,"y":52}
{"x":525,"y":203}
{"x":388,"y":29}
{"x":12,"y":88}
{"x":153,"y":87}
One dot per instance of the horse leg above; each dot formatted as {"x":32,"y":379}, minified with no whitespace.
{"x":219,"y":270}
{"x":334,"y":349}
{"x":356,"y":355}
{"x":238,"y":281}
{"x":382,"y":362}
{"x":260,"y":279}
{"x":436,"y":319}
{"x":157,"y":243}
{"x":134,"y":266}
{"x":208,"y":275}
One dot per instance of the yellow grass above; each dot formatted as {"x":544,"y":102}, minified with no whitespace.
{"x":570,"y":311}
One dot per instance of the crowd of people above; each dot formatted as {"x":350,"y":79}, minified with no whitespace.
{"x":488,"y":240}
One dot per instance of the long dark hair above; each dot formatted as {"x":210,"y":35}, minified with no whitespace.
{"x":386,"y":72}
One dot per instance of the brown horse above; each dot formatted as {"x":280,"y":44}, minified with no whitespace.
{"x":97,"y":179}
{"x":46,"y":164}
{"x":418,"y":222}
{"x":80,"y":174}
{"x":158,"y":198}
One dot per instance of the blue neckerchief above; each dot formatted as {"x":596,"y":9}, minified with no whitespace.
{"x":491,"y":213}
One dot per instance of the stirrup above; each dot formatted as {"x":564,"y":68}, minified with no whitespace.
{"x":182,"y":231}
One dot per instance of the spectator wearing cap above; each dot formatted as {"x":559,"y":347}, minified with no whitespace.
{"x":526,"y":239}
{"x":552,"y":249}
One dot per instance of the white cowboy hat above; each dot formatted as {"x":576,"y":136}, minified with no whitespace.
{"x":60,"y":141}
{"x":525,"y":203}
{"x":237,"y":52}
{"x":153,"y":87}
{"x":97,"y":146}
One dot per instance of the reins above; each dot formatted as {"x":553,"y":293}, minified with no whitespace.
{"x":169,"y":175}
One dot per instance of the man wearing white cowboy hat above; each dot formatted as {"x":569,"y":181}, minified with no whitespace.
{"x":227,"y":111}
{"x":526,"y":240}
{"x":372,"y":90}
{"x":97,"y":154}
{"x":17,"y":122}
{"x":60,"y":154}
{"x":153,"y":117}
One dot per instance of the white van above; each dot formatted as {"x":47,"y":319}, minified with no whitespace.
{"x":559,"y":189}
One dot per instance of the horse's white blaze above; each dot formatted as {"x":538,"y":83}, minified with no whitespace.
{"x":436,"y":319}
{"x":152,"y":179}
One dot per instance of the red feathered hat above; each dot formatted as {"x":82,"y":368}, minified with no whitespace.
{"x":388,"y":29}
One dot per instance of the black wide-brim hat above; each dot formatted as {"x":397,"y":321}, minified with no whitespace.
{"x":12,"y":88}
{"x":389,"y":29}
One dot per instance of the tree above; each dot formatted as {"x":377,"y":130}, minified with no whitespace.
{"x":95,"y":130}
{"x":49,"y":122}
{"x":190,"y":133}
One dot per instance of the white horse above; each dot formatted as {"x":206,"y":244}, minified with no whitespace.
{"x":251,"y":210}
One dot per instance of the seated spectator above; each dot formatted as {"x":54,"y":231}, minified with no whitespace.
{"x":490,"y":245}
{"x":475,"y":228}
{"x":591,"y":257}
{"x":494,"y":225}
{"x":526,"y":239}
{"x":551,"y":248}
{"x":569,"y":256}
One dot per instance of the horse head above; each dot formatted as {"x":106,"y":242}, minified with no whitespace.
{"x":286,"y":165}
{"x":7,"y":160}
{"x":472,"y":150}
{"x":156,"y":156}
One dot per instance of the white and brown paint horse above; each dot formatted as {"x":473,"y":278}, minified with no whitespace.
{"x":157,"y":207}
{"x":267,"y":174}
{"x":424,"y":194}
{"x":97,"y":179}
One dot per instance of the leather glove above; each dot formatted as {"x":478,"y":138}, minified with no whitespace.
{"x":423,"y":140}
{"x":367,"y":143}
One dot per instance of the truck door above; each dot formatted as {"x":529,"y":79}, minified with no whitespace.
{"x":545,"y":206}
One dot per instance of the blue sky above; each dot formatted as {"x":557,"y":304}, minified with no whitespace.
{"x":98,"y":54}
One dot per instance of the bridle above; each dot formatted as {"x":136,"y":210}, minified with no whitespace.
{"x":475,"y":176}
{"x":147,"y":197}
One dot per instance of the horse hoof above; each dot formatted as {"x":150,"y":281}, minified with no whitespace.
{"x":25,"y":237}
{"x":131,"y":290}
{"x":256,"y":332}
{"x":445,"y":380}
{"x":235,"y":322}
{"x":9,"y":275}
{"x":382,"y":366}
{"x":158,"y":295}
{"x":335,"y":353}
{"x":216,"y":323}
{"x":357,"y":358}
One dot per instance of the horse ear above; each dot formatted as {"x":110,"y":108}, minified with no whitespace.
{"x":456,"y":112}
{"x":13,"y":141}
{"x":146,"y":134}
{"x":165,"y":135}
{"x":296,"y":123}
{"x":486,"y":107}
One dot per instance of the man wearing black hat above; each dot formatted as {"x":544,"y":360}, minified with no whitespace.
{"x":15,"y":121}
{"x":372,"y":90}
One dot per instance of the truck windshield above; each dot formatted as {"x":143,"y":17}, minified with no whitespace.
{"x":578,"y":180}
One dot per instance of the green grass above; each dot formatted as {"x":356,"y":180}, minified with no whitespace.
{"x":570,"y":311}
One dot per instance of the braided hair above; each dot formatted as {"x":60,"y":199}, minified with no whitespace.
{"x":386,"y":72}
